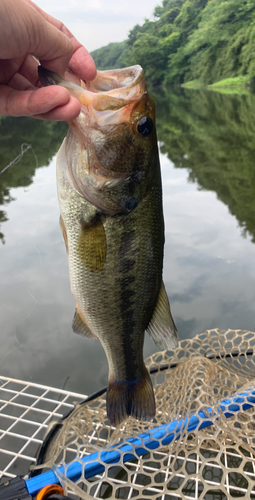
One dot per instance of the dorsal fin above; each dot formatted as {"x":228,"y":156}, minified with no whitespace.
{"x":80,"y":327}
{"x":161,"y":327}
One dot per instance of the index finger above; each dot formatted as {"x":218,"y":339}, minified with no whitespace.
{"x":81,"y":62}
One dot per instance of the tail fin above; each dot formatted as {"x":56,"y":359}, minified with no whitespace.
{"x":135,"y":398}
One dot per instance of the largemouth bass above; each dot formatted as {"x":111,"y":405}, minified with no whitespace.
{"x":110,"y":197}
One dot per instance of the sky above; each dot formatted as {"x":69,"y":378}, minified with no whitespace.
{"x":96,"y":23}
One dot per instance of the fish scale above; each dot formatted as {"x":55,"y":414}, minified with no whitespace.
{"x":110,"y":196}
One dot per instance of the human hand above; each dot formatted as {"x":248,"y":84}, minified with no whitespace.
{"x":27,"y":33}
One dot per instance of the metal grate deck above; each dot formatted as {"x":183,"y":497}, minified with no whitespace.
{"x":26,"y":409}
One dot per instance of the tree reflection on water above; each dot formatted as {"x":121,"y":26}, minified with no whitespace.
{"x":45,"y":138}
{"x":213,"y":136}
{"x":210,"y":134}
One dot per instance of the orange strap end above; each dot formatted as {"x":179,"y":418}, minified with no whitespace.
{"x":48,"y":490}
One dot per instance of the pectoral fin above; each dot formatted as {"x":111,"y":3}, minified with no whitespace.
{"x":161,"y":327}
{"x":91,"y":247}
{"x":80,"y":327}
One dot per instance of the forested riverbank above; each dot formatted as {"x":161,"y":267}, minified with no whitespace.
{"x":197,"y":41}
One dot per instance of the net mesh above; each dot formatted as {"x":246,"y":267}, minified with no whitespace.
{"x":205,"y":397}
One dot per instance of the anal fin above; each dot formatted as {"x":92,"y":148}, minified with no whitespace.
{"x":161,"y":327}
{"x":80,"y":327}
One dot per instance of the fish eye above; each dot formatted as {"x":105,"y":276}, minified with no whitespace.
{"x":145,"y":126}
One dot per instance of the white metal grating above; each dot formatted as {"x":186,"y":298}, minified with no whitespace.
{"x":26,"y":409}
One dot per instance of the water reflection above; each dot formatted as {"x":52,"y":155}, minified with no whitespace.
{"x":208,"y":178}
{"x":44,"y":137}
{"x":212,"y":135}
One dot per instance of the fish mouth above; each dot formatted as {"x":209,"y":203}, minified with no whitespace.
{"x":110,"y":90}
{"x":103,"y":147}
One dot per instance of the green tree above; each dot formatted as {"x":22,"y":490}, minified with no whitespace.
{"x":207,"y":40}
{"x":218,"y":47}
{"x":112,"y":56}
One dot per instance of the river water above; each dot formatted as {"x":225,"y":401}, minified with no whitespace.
{"x":207,"y":144}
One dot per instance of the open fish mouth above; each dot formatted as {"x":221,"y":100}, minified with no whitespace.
{"x":114,"y":137}
{"x":110,"y":90}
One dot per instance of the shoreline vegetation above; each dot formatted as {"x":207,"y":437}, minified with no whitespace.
{"x":193,"y":44}
{"x":235,"y":85}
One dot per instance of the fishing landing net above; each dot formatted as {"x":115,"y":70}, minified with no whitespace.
{"x":201,"y":444}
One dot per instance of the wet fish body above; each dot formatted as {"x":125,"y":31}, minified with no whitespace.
{"x":109,"y":188}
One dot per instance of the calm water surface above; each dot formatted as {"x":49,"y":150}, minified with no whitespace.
{"x":207,"y":144}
